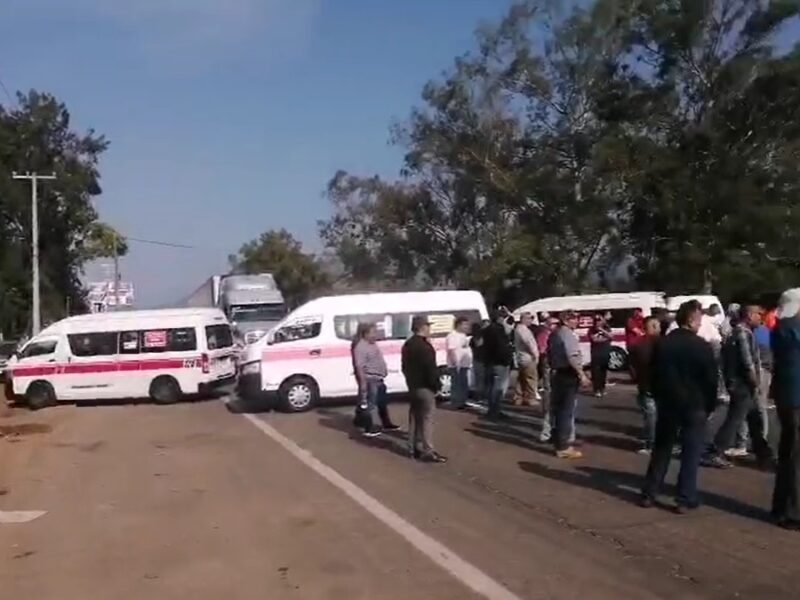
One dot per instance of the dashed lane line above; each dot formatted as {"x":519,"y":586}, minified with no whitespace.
{"x":19,"y":516}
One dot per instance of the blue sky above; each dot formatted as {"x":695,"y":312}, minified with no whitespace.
{"x":228,"y":117}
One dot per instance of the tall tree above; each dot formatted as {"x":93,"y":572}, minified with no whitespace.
{"x":36,"y":135}
{"x":298,"y":274}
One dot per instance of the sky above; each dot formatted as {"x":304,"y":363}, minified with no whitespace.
{"x":228,"y":117}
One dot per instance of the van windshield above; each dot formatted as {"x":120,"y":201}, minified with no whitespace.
{"x":249,"y":313}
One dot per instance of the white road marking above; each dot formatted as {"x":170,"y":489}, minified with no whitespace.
{"x":467,"y":573}
{"x":20,"y":516}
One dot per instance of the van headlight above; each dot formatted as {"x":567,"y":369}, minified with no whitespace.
{"x":253,"y":336}
{"x":251,"y":368}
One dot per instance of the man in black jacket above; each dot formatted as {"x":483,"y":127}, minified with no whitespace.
{"x":499,"y":357}
{"x":684,"y":384}
{"x":422,"y":378}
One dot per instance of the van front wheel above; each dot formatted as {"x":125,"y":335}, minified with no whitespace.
{"x":165,"y":390}
{"x":298,"y":394}
{"x":40,"y":395}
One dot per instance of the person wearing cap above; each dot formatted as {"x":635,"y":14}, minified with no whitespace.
{"x":684,"y":384}
{"x":785,"y":341}
{"x":527,"y":355}
{"x":566,"y":362}
{"x":418,"y":363}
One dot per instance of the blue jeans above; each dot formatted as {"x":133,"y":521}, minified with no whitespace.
{"x":563,"y":401}
{"x":647,"y":405}
{"x":374,"y":400}
{"x":459,"y":388}
{"x":499,"y":387}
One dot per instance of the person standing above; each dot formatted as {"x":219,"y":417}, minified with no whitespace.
{"x":786,"y":387}
{"x":600,"y":345}
{"x":418,"y":363}
{"x":543,"y":340}
{"x":566,"y":362}
{"x":499,"y":357}
{"x":459,"y":362}
{"x":479,"y":370}
{"x":742,"y":373}
{"x":684,"y":379}
{"x":371,"y":371}
{"x":527,"y":355}
{"x":762,"y":335}
{"x":641,"y":357}
{"x":634,"y":328}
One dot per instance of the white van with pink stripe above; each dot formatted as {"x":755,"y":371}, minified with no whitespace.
{"x":307,"y":356}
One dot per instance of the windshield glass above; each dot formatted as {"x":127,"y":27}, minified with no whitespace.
{"x":257,"y":312}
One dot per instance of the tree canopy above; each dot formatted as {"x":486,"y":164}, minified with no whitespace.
{"x":297,"y":273}
{"x":623,"y":144}
{"x":36,"y":135}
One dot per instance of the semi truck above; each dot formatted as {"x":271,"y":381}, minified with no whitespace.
{"x":252,"y":303}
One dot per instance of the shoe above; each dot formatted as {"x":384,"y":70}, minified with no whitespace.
{"x":569,"y":453}
{"x":683,"y":509}
{"x":538,"y":397}
{"x":433,"y":457}
{"x":715,"y":462}
{"x":598,"y":394}
{"x":544,"y":437}
{"x":735,"y":452}
{"x":645,"y":451}
{"x":373,"y":431}
{"x":414,"y":454}
{"x":391,"y":427}
{"x":645,"y":501}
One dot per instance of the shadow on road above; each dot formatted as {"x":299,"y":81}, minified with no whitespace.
{"x":624,"y":486}
{"x":241,"y":406}
{"x":391,"y":441}
{"x":616,"y":408}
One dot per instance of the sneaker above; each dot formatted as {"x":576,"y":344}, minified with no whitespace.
{"x":644,"y":451}
{"x":373,"y":431}
{"x":569,"y":453}
{"x":538,"y":396}
{"x":715,"y":462}
{"x":391,"y":427}
{"x":683,"y":509}
{"x":544,"y":437}
{"x":645,"y":501}
{"x":433,"y":457}
{"x":736,"y":452}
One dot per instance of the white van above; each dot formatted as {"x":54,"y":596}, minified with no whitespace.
{"x":707,"y":301}
{"x":161,"y":354}
{"x":621,"y":307}
{"x":307,"y":356}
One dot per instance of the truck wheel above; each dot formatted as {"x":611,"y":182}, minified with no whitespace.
{"x":617,"y":360}
{"x":40,"y":395}
{"x":298,"y":394}
{"x":165,"y":390}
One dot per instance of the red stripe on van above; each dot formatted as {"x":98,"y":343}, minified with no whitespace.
{"x":388,"y":348}
{"x":158,"y":364}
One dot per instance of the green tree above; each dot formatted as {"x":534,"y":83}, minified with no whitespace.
{"x":36,"y":135}
{"x":298,"y":274}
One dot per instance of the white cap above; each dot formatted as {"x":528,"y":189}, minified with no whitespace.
{"x":789,"y":304}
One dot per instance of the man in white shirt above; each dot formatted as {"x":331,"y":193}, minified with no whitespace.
{"x":459,"y":362}
{"x":527,"y":354}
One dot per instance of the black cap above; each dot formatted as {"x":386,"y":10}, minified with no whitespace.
{"x":418,"y":322}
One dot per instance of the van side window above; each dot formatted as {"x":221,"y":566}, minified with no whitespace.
{"x":346,"y":326}
{"x":301,"y":330}
{"x":183,"y":339}
{"x":441,"y":322}
{"x":39,"y":348}
{"x":93,"y":344}
{"x":129,"y":342}
{"x":219,"y":336}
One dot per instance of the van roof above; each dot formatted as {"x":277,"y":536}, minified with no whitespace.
{"x":132,"y":318}
{"x":393,"y":302}
{"x":599,"y":301}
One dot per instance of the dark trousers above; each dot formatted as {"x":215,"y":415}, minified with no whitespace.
{"x":743,"y":405}
{"x":421,"y":405}
{"x":599,"y":370}
{"x":564,"y":386}
{"x":691,"y":424}
{"x":787,"y":476}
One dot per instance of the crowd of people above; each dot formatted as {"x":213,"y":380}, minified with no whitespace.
{"x":685,"y":366}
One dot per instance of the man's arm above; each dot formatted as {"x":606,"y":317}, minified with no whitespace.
{"x":710,"y":375}
{"x":746,"y":355}
{"x":359,"y":360}
{"x":575,"y":357}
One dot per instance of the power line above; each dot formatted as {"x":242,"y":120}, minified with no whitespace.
{"x":158,"y":243}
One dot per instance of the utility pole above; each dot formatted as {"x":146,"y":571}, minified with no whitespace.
{"x":34,"y":179}
{"x":116,"y":271}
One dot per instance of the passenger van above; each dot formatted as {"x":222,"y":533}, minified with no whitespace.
{"x":307,"y":356}
{"x":161,"y":354}
{"x":621,"y":307}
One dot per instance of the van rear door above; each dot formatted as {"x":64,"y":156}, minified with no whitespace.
{"x":91,"y":370}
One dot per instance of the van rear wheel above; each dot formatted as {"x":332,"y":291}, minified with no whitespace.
{"x":298,"y":394}
{"x":165,"y":390}
{"x":40,"y":395}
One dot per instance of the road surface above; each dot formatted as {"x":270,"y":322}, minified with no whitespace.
{"x":199,"y":501}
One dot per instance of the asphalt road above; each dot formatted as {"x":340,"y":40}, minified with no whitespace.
{"x":194,"y":500}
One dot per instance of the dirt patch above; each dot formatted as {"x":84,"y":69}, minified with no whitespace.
{"x":24,"y":429}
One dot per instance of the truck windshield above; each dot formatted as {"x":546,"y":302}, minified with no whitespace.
{"x":257,"y":312}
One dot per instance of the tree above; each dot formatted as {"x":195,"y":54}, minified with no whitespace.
{"x":298,"y":274}
{"x":36,"y":135}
